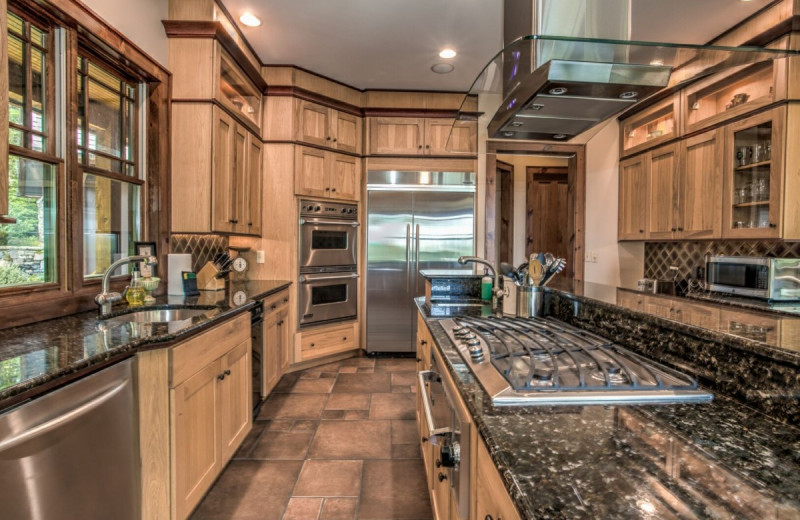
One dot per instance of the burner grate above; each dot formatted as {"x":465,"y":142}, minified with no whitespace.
{"x":544,"y":355}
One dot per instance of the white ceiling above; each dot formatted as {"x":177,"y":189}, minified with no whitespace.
{"x":392,"y":44}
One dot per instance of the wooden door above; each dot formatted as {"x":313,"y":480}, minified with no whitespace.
{"x":310,"y":172}
{"x":761,"y":218}
{"x":701,"y":186}
{"x":195,"y":421}
{"x":396,"y":136}
{"x":272,"y":350}
{"x":223,"y":190}
{"x":313,"y":124}
{"x":547,"y":202}
{"x":505,"y":212}
{"x":346,"y":131}
{"x":632,"y":224}
{"x":344,"y":176}
{"x":491,"y":497}
{"x":236,"y":394}
{"x":663,"y":196}
{"x":253,"y":187}
{"x":460,"y":134}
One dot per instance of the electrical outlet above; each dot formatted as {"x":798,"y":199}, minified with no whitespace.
{"x":259,"y":257}
{"x":590,"y":257}
{"x":594,"y":257}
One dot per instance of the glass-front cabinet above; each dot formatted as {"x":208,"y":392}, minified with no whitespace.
{"x":237,"y":92}
{"x":652,"y":126}
{"x":753,"y":191}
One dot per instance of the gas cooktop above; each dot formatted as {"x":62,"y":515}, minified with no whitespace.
{"x":543,"y":361}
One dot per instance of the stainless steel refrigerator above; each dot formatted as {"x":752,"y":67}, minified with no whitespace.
{"x":415,"y":221}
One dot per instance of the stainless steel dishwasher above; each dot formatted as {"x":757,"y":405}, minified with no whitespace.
{"x":73,"y":453}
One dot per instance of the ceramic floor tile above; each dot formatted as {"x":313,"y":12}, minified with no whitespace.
{"x":406,"y":451}
{"x":250,"y":490}
{"x":404,"y":432}
{"x":313,"y":386}
{"x":396,"y":364}
{"x":329,"y":478}
{"x":302,"y":508}
{"x":394,"y":490}
{"x":362,"y":383}
{"x":293,"y":406}
{"x":404,"y":378}
{"x":286,"y":383}
{"x":348,"y":402}
{"x":393,"y":406}
{"x":282,"y":445}
{"x":339,"y":509}
{"x":352,"y":440}
{"x":247,"y":444}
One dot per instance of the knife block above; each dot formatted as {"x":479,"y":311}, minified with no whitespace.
{"x":207,"y":278}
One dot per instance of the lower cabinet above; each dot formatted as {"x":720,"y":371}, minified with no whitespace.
{"x":196,"y":398}
{"x":326,"y":340}
{"x":491,"y":498}
{"x":277,"y":339}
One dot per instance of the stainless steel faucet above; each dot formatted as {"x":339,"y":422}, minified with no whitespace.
{"x":497,"y":290}
{"x":105,"y":300}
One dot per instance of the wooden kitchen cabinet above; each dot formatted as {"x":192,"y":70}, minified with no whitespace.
{"x":701,"y":186}
{"x":632,"y":223}
{"x":440,"y":493}
{"x":420,"y":136}
{"x":663,"y":201}
{"x":321,"y":173}
{"x":323,"y":126}
{"x":491,"y":498}
{"x":630,"y":300}
{"x":651,"y":127}
{"x":277,"y":342}
{"x":197,"y":397}
{"x":424,"y":341}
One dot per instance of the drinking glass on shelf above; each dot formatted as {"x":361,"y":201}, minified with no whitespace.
{"x":756,"y":153}
{"x":767,"y":151}
{"x":742,"y":155}
{"x":761,"y":190}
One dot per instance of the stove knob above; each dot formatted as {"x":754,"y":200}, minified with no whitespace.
{"x":450,"y":455}
{"x":344,"y":210}
{"x":351,"y":211}
{"x":317,"y":208}
{"x":310,"y":207}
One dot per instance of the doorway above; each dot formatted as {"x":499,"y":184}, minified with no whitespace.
{"x":553,"y":217}
{"x":505,"y":185}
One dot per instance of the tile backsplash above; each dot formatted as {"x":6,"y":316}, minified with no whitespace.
{"x":203,"y":248}
{"x":687,"y":256}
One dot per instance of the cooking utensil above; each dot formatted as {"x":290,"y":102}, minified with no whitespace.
{"x":536,"y":270}
{"x":558,"y":265}
{"x":508,"y":270}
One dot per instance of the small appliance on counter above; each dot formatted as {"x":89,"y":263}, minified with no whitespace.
{"x":774,"y":279}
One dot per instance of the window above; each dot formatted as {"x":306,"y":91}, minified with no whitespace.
{"x":107,"y":144}
{"x":29,"y":248}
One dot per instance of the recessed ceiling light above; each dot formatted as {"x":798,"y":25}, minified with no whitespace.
{"x":447,"y":53}
{"x":250,"y":20}
{"x":442,"y":68}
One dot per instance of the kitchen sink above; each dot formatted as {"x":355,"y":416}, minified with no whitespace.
{"x":158,"y":315}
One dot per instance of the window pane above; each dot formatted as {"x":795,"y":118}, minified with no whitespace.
{"x":38,"y":37}
{"x":15,"y":24}
{"x":28,"y":252}
{"x":111,"y":222}
{"x":37,"y":90}
{"x":105,"y":115}
{"x":16,"y":80}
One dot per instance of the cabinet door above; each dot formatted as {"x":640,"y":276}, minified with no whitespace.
{"x":630,"y":300}
{"x":195,"y":420}
{"x":253,"y":190}
{"x":462,"y":136}
{"x":441,"y":487}
{"x":424,"y":440}
{"x":344,"y":176}
{"x":346,"y":131}
{"x":285,"y":339}
{"x":235,"y":394}
{"x":701,"y":186}
{"x":396,"y":136}
{"x":753,"y":190}
{"x":663,"y":202}
{"x":313,"y":124}
{"x":223,"y":191}
{"x":273,"y":348}
{"x":492,"y":499}
{"x":632,"y":199}
{"x":310,"y":172}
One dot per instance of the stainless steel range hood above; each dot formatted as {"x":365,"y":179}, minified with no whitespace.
{"x":557,"y":87}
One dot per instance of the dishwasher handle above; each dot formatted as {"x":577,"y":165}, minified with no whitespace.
{"x":426,"y":376}
{"x":56,"y":422}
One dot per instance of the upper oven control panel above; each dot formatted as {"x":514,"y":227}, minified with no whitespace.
{"x":312,"y":208}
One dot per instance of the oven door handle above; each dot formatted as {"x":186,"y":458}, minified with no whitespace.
{"x":423,"y":376}
{"x":304,"y":221}
{"x":306,"y":279}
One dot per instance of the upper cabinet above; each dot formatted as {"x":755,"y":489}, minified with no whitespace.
{"x":421,"y":136}
{"x":663,"y":205}
{"x":633,"y":198}
{"x":650,"y":127}
{"x":322,"y":173}
{"x":236,"y":92}
{"x":323,"y":126}
{"x":701,"y":186}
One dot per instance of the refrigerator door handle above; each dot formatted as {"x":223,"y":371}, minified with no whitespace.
{"x":416,"y":259}
{"x":408,"y":255}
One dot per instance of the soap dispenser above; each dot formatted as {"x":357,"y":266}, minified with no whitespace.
{"x":486,"y":286}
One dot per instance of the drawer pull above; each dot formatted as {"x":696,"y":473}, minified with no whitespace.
{"x":419,"y":360}
{"x":344,"y":338}
{"x":280,"y":323}
{"x":312,"y":345}
{"x":273,"y":306}
{"x":424,"y":439}
{"x":442,"y":477}
{"x":222,"y":375}
{"x":423,"y":342}
{"x":286,"y":300}
{"x":438,"y":463}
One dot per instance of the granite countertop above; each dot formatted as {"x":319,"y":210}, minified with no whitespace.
{"x":38,"y":357}
{"x":717,"y":460}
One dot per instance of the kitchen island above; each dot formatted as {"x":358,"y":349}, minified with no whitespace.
{"x":735,"y":457}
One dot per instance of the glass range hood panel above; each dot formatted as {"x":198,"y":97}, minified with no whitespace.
{"x":507,"y":77}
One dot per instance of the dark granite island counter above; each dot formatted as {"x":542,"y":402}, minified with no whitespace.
{"x":39,"y":357}
{"x":736,"y":457}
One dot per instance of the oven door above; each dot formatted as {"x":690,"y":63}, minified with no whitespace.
{"x":325,"y":243}
{"x":328,"y":296}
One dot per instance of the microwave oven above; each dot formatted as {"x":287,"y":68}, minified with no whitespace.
{"x":776,"y":279}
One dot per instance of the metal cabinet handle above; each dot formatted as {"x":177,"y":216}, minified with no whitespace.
{"x":327,"y":189}
{"x":438,"y":463}
{"x":772,"y":225}
{"x":419,"y":360}
{"x":273,"y":307}
{"x":419,"y":147}
{"x":426,"y":404}
{"x":423,"y":342}
{"x":286,"y":300}
{"x":334,"y":139}
{"x":312,"y":345}
{"x":328,"y":138}
{"x":280,"y":323}
{"x":424,"y":439}
{"x":333,"y":189}
{"x":344,"y":338}
{"x":442,"y":477}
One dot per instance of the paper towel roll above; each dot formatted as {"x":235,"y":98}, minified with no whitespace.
{"x":177,"y":264}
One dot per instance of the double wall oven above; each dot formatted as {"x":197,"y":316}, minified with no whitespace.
{"x":328,"y":240}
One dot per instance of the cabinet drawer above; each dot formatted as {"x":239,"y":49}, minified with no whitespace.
{"x":193,"y":355}
{"x":272,"y":303}
{"x":329,"y":340}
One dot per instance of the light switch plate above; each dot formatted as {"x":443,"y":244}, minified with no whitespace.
{"x":259,"y":257}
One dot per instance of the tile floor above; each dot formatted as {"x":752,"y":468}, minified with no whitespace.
{"x":335,"y":442}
